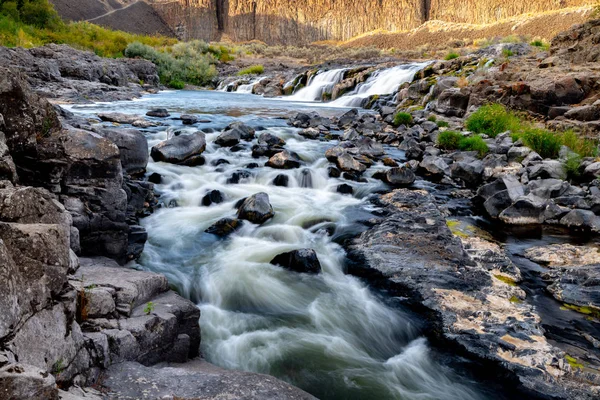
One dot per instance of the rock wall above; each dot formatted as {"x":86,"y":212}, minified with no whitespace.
{"x":305,"y":21}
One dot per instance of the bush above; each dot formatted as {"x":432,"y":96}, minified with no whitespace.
{"x":252,"y":70}
{"x":177,"y":84}
{"x":547,"y":144}
{"x":540,"y":44}
{"x":492,"y":120}
{"x":432,"y":118}
{"x":449,"y":140}
{"x":451,"y":56}
{"x":442,"y":124}
{"x":582,"y":146}
{"x":572,"y":166}
{"x":403,"y":118}
{"x":474,"y":143}
{"x":507,"y":53}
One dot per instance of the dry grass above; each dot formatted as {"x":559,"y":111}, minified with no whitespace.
{"x":444,"y":35}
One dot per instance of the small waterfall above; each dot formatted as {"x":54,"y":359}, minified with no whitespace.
{"x":247,"y":89}
{"x":382,"y":82}
{"x":321,"y":83}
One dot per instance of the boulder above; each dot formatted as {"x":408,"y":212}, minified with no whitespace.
{"x":283,"y":160}
{"x":228,"y":138}
{"x":310,"y":133}
{"x":548,"y":169}
{"x":344,"y":188}
{"x":400,"y":176}
{"x":348,"y":118}
{"x":434,"y":167}
{"x":270,"y":140}
{"x":20,"y":381}
{"x":563,"y":255}
{"x":133,"y":148}
{"x":212,"y":197}
{"x":187,"y":119}
{"x":183,"y":149}
{"x":158,"y":113}
{"x":303,"y":260}
{"x":518,"y":153}
{"x":119,"y":118}
{"x":281,"y":180}
{"x":345,"y":162}
{"x":527,"y":210}
{"x":256,"y":209}
{"x":470,"y":173}
{"x":224,"y":227}
{"x":453,"y":102}
{"x":581,"y":219}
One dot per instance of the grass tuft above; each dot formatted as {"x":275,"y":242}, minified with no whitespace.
{"x":451,"y":56}
{"x":492,"y":120}
{"x":403,"y":118}
{"x":449,"y":140}
{"x":252,"y":70}
{"x":474,"y":143}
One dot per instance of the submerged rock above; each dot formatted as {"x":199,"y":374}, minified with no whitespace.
{"x":303,"y":260}
{"x":224,"y":227}
{"x":256,"y":209}
{"x":158,"y":113}
{"x":212,"y":197}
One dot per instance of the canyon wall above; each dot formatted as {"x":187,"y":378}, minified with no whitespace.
{"x":305,"y":21}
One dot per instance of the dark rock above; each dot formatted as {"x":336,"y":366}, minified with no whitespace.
{"x":228,"y":138}
{"x":333,"y":172}
{"x":238,"y":176}
{"x":434,"y":167}
{"x":270,"y":140}
{"x":582,"y":219}
{"x":158,"y":113}
{"x":453,"y":102}
{"x":224,"y":227}
{"x":549,"y":169}
{"x":348,"y":118}
{"x":303,"y":260}
{"x":212,"y":197}
{"x":281,"y":180}
{"x":400,"y":176}
{"x":187,"y":119}
{"x":179,"y":149}
{"x":252,"y":166}
{"x":347,"y":163}
{"x":155,"y":177}
{"x":469,"y":173}
{"x":527,"y":210}
{"x":133,"y":148}
{"x":256,"y":209}
{"x":344,"y":188}
{"x":283,"y":160}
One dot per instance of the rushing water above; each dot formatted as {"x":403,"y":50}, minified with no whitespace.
{"x":329,"y":333}
{"x":323,"y":82}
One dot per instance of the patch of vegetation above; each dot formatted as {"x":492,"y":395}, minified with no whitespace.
{"x":315,"y":53}
{"x":474,"y":143}
{"x":507,"y":53}
{"x":506,"y":280}
{"x":442,"y":124}
{"x":188,"y":62}
{"x":547,"y":144}
{"x":432,"y":118}
{"x":589,"y":311}
{"x":454,"y":227}
{"x":449,"y":140}
{"x":582,"y":146}
{"x":539,"y":43}
{"x":177,"y":84}
{"x":403,"y":118}
{"x":573,"y":362}
{"x":252,"y":70}
{"x":149,"y":308}
{"x":58,"y":367}
{"x":492,"y":120}
{"x":451,"y":56}
{"x":515,"y":300}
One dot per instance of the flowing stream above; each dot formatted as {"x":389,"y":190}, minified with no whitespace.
{"x":329,"y":334}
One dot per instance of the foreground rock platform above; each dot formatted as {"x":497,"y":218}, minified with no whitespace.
{"x":468,"y":290}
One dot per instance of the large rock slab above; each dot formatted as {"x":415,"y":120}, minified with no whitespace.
{"x":180,"y":149}
{"x":197,"y":380}
{"x":133,"y":148}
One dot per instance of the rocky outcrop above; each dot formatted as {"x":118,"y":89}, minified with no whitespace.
{"x":63,"y":73}
{"x":466,"y":289}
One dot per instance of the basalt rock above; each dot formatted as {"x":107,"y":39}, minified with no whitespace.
{"x":256,"y":209}
{"x":283,"y":160}
{"x":303,"y":260}
{"x":183,"y":149}
{"x":400,"y":176}
{"x":158,"y":113}
{"x":133,"y":148}
{"x":212,"y":197}
{"x":224,"y":227}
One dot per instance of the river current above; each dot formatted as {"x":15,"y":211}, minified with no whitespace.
{"x":329,"y":334}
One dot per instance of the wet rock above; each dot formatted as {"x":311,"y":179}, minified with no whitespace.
{"x":347,"y":163}
{"x":593,"y":170}
{"x":270,"y":140}
{"x":434,"y":167}
{"x":581,"y":219}
{"x":303,"y":260}
{"x":310,"y":133}
{"x":183,"y":149}
{"x":412,"y":149}
{"x":333,"y":172}
{"x":158,"y":113}
{"x":389,"y":162}
{"x":348,"y":118}
{"x":344,"y":188}
{"x":155,"y":177}
{"x":228,"y":138}
{"x":212,"y":197}
{"x":453,"y":102}
{"x":119,"y":118}
{"x":224,"y":227}
{"x":256,"y":209}
{"x":238,"y":176}
{"x":133,"y":148}
{"x":196,"y":379}
{"x":281,"y":180}
{"x":283,"y":160}
{"x":400,"y":176}
{"x":470,"y":173}
{"x":187,"y":119}
{"x":549,"y":169}
{"x":525,"y":211}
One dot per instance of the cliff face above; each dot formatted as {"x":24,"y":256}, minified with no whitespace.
{"x":304,"y":21}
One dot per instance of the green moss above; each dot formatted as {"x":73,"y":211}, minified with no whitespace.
{"x":515,"y":300}
{"x":372,"y":101}
{"x":454,"y":227}
{"x":589,"y":311}
{"x":573,"y":362}
{"x":432,"y":118}
{"x":442,"y":124}
{"x":403,"y":118}
{"x":506,"y":280}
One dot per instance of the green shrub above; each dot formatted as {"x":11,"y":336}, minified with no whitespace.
{"x":432,"y":118}
{"x":572,"y":166}
{"x":492,"y":120}
{"x":507,"y":53}
{"x":176,"y":84}
{"x":403,"y":118}
{"x":540,"y":44}
{"x":442,"y":124}
{"x":451,"y":56}
{"x":474,"y":143}
{"x":547,"y":144}
{"x":449,"y":140}
{"x":252,"y":70}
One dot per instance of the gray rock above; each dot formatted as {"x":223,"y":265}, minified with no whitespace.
{"x":256,"y":209}
{"x":187,"y":119}
{"x":400,"y":176}
{"x":133,"y":148}
{"x":158,"y":113}
{"x":303,"y":260}
{"x":20,"y":381}
{"x":581,"y":219}
{"x":593,"y":170}
{"x":196,"y":379}
{"x":347,"y":163}
{"x":453,"y":102}
{"x":180,"y":149}
{"x":270,"y":140}
{"x":310,"y":133}
{"x":470,"y":173}
{"x":527,"y":210}
{"x":283,"y":160}
{"x":531,"y":159}
{"x":549,"y":169}
{"x":434,"y":167}
{"x":518,"y":153}
{"x":119,"y":118}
